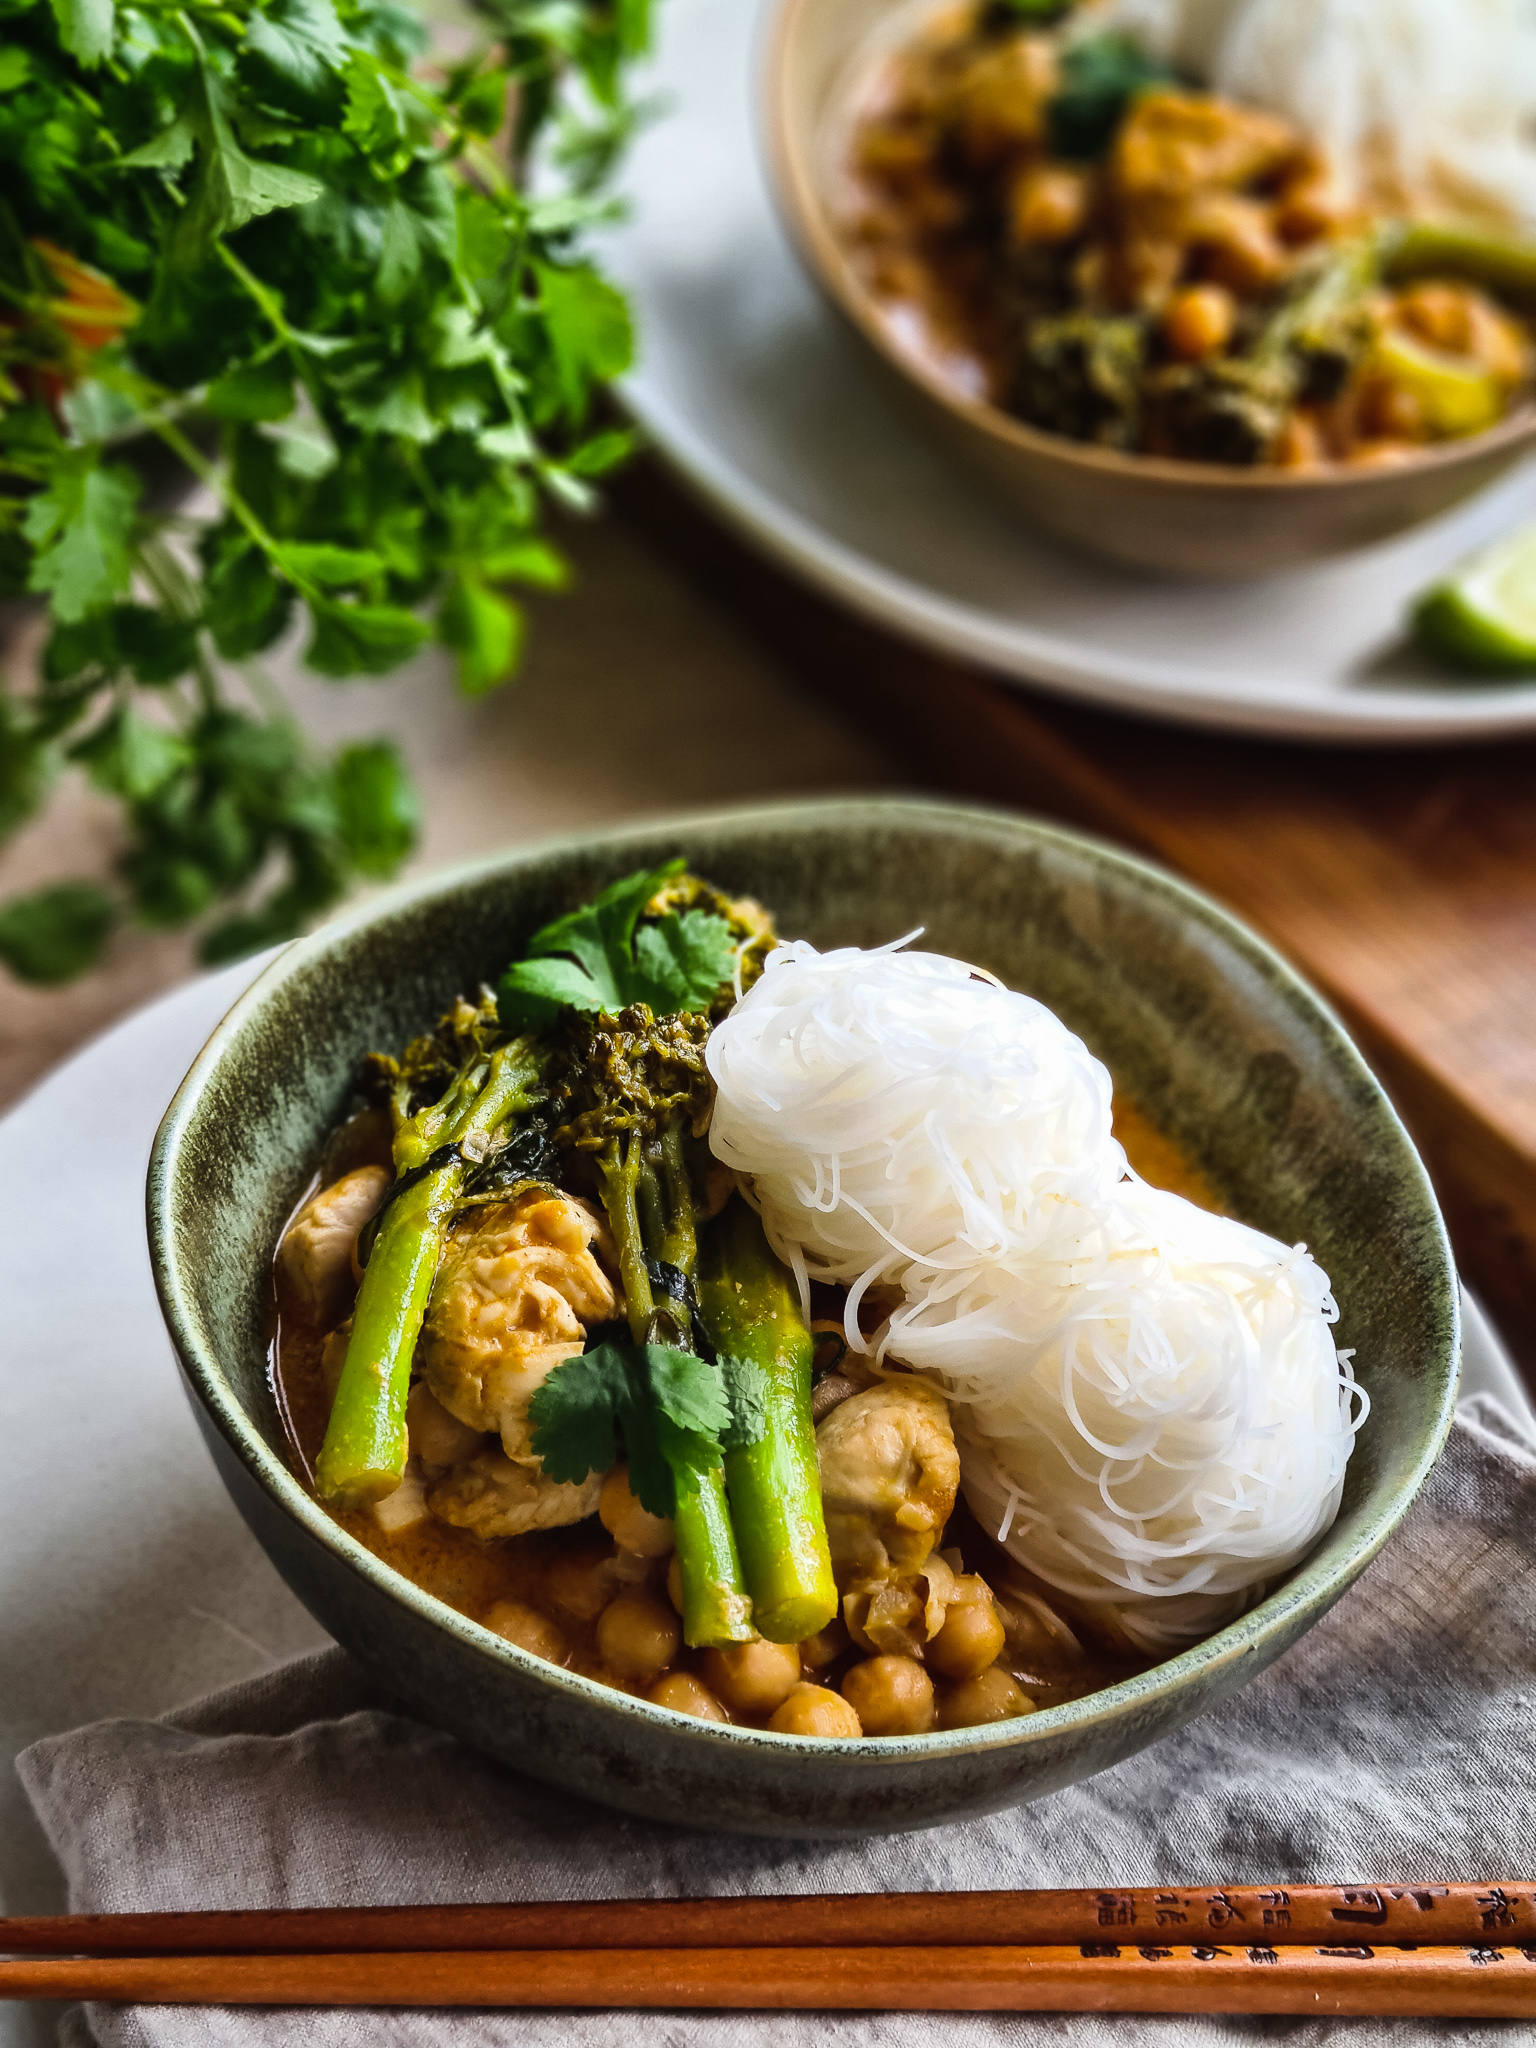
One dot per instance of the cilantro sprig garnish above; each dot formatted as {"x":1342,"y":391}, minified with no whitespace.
{"x":603,"y":958}
{"x":264,"y":243}
{"x":673,"y":1412}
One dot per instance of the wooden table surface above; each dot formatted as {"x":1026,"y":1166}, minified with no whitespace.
{"x":685,"y":669}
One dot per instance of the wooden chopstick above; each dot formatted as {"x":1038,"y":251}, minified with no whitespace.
{"x":1425,"y":1982}
{"x":1450,"y":1915}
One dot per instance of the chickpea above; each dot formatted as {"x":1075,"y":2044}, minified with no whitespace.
{"x":683,"y":1693}
{"x":1049,"y":203}
{"x":994,"y":1695}
{"x":515,"y":1622}
{"x":630,"y":1525}
{"x":972,"y":1635}
{"x":1439,"y":314}
{"x":1390,"y":411}
{"x":675,"y":1582}
{"x":1299,"y":444}
{"x":825,"y":1647}
{"x":1310,"y":207}
{"x":817,"y":1711}
{"x":636,"y":1636}
{"x":581,"y":1581}
{"x":1380,"y":454}
{"x":753,"y":1678}
{"x":1497,"y":342}
{"x":1198,"y":321}
{"x":891,"y":1696}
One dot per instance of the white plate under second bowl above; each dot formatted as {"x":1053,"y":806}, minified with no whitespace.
{"x":752,"y":389}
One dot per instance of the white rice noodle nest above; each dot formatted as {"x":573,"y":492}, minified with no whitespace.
{"x":1151,"y":1411}
{"x":1177,"y":1440}
{"x":889,"y":1106}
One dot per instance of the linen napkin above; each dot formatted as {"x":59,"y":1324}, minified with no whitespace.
{"x":1394,"y":1742}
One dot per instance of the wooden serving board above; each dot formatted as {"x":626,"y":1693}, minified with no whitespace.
{"x":1402,"y":883}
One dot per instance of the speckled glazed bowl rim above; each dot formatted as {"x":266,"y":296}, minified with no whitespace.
{"x":806,"y":216}
{"x":1313,"y":1587}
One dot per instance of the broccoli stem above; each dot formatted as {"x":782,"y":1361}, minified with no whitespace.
{"x":716,"y":1610}
{"x":751,"y":1312}
{"x":363,"y":1456}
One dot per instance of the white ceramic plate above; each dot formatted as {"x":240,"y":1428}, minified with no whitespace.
{"x":128,"y":1583}
{"x":755,"y":393}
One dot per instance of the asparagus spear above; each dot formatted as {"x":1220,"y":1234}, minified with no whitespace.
{"x":751,"y":1314}
{"x":716,"y":1610}
{"x":1500,"y":262}
{"x":363,"y":1456}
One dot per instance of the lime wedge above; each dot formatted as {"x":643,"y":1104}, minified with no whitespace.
{"x":1483,"y":615}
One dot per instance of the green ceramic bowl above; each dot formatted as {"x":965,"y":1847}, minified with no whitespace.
{"x":1211,"y":1032}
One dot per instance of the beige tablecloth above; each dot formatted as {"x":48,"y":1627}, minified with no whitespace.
{"x":1395,"y":1742}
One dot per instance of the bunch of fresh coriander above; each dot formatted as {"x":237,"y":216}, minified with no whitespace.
{"x":266,"y":245}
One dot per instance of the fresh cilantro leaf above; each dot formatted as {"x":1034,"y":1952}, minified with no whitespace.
{"x":688,"y":1389}
{"x":382,"y":117}
{"x":485,"y":631}
{"x":380,"y":398}
{"x":127,"y":756}
{"x":86,"y":28}
{"x":1099,"y":78}
{"x":483,"y":107}
{"x":679,"y":956}
{"x":332,"y":567}
{"x":746,"y":1389}
{"x":668,"y":1405}
{"x":600,"y":454}
{"x":399,"y":253}
{"x":362,"y":639}
{"x":377,"y":806}
{"x":261,"y":390}
{"x":26,"y":765}
{"x":527,"y":561}
{"x":168,"y":151}
{"x":671,"y":963}
{"x":157,"y":648}
{"x":304,"y":449}
{"x":293,"y":54}
{"x":56,"y":933}
{"x":230,"y":188}
{"x":589,"y":330}
{"x":247,"y":605}
{"x":575,"y":1414}
{"x":81,"y":526}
